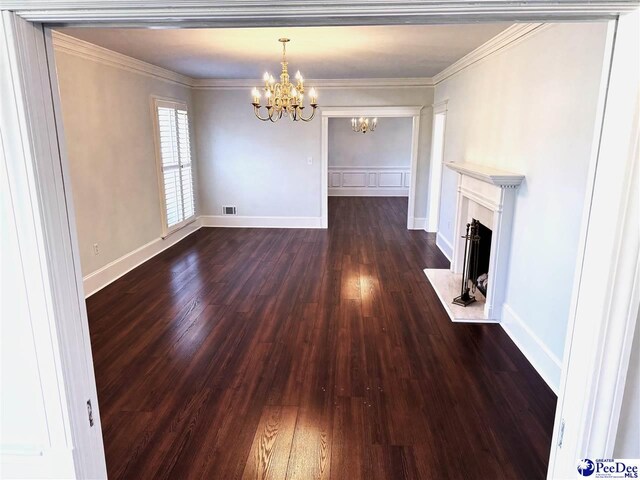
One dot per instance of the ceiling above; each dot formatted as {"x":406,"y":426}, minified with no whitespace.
{"x":318,"y":52}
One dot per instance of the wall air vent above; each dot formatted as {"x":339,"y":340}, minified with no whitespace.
{"x":228,"y":210}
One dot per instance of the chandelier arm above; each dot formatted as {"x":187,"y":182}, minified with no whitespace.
{"x":275,"y":118}
{"x":313,"y":113}
{"x":256,"y":110}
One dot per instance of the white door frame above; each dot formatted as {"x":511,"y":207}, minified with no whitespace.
{"x":606,"y":293}
{"x":435,"y":174}
{"x":35,"y":158}
{"x":412,"y":112}
{"x":28,"y":113}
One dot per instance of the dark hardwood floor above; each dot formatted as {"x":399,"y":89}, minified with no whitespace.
{"x":273,"y":353}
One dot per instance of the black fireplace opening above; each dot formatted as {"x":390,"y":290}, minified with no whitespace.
{"x":479,"y":258}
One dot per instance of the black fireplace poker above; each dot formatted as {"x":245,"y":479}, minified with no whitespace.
{"x":471,"y":241}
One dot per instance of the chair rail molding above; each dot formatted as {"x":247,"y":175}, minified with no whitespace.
{"x":370,"y":181}
{"x":314,"y":12}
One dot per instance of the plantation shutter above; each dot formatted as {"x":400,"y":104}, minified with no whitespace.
{"x":175,"y":153}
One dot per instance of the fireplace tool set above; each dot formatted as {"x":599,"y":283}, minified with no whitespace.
{"x":470,"y":265}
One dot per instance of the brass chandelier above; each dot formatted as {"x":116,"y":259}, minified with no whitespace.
{"x":363,"y":125}
{"x":284,"y":98}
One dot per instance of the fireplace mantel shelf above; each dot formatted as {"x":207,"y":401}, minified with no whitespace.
{"x":491,"y":175}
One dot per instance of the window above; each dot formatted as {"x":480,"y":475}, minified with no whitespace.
{"x":174,"y":164}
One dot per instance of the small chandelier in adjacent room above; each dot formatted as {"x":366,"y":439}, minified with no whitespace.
{"x":284,"y":98}
{"x":363,"y":125}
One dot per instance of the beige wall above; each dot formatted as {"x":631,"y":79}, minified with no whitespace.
{"x":389,"y":145}
{"x":262,"y":167}
{"x":108,"y":125}
{"x":531,"y":109}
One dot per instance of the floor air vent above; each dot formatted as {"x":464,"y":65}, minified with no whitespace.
{"x":226,"y":210}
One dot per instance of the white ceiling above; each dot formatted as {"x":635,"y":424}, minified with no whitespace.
{"x":318,"y":52}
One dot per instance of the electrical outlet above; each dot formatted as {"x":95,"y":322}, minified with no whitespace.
{"x":96,"y":249}
{"x":309,"y":160}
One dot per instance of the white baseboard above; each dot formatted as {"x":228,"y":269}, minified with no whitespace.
{"x":445,"y":247}
{"x":112,"y":271}
{"x":548,"y":366}
{"x":418,"y":223}
{"x":238,"y":221}
{"x":368,"y":192}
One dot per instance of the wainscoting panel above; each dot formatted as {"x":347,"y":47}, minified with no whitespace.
{"x":390,"y":179}
{"x":334,"y":179}
{"x":369,"y":181}
{"x":353,"y":179}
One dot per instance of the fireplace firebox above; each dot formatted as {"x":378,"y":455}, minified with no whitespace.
{"x":479,"y":258}
{"x":477,"y":252}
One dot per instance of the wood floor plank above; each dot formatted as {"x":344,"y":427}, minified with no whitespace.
{"x":309,"y":354}
{"x":269,"y":455}
{"x":310,"y":457}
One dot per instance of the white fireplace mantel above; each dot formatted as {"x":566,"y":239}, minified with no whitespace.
{"x":491,"y":175}
{"x":489,"y":195}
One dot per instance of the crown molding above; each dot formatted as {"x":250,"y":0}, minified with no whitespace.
{"x":369,"y":111}
{"x":231,"y":84}
{"x":507,"y":37}
{"x":310,"y":12}
{"x":74,"y":46}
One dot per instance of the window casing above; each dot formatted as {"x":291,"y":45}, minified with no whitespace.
{"x":175,"y":170}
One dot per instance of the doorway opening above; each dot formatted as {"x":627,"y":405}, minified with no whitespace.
{"x":71,"y":256}
{"x":435,"y":174}
{"x":364,"y":180}
{"x":370,"y":167}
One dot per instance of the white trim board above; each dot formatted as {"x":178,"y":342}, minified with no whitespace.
{"x":240,"y":221}
{"x":543,"y":360}
{"x":417,"y":223}
{"x":445,"y":247}
{"x":202,"y":13}
{"x":102,"y":277}
{"x":368,"y":192}
{"x":244,"y":83}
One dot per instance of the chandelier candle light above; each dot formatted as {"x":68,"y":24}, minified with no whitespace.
{"x":363,"y":125}
{"x":284,"y":98}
